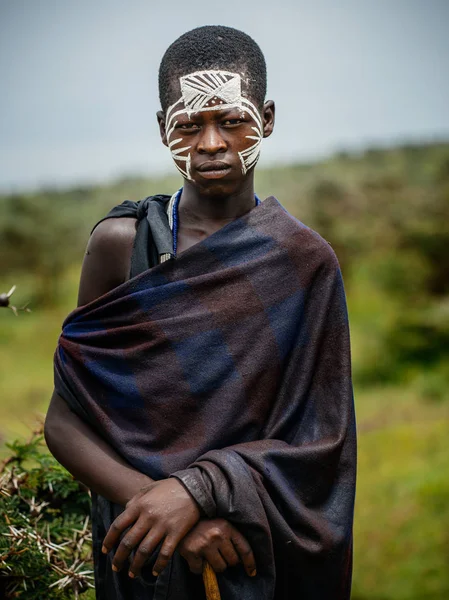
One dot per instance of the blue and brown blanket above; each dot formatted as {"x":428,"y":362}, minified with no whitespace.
{"x":229,"y":368}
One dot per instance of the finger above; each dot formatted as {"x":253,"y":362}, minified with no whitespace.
{"x":191,"y":555}
{"x":165,"y":554}
{"x":245,"y":553}
{"x":122,"y":522}
{"x":129,"y":541}
{"x":195,"y":562}
{"x":146,"y":548}
{"x":215,"y":559}
{"x":228,"y":552}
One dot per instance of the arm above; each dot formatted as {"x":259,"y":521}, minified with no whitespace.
{"x":93,"y":461}
{"x":88,"y":457}
{"x":74,"y":443}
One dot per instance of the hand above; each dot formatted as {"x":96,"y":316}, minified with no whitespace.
{"x":163,"y":510}
{"x":218,"y":542}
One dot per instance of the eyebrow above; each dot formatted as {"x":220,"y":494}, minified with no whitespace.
{"x":220,"y":113}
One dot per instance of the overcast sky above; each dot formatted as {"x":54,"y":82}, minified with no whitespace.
{"x":79,"y":79}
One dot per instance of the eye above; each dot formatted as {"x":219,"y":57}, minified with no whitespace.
{"x":187,"y":126}
{"x":232,"y":122}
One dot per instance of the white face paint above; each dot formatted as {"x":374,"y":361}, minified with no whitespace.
{"x":212,"y":90}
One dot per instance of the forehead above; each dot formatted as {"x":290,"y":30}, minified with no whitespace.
{"x":209,"y":90}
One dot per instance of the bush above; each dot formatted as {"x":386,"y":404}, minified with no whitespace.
{"x":45,"y":538}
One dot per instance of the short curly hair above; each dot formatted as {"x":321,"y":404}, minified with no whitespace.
{"x":213,"y":47}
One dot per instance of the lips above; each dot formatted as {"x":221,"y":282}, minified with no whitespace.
{"x":213,"y":169}
{"x":213,"y":165}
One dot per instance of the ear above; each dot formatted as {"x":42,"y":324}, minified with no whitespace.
{"x":268,"y":118}
{"x":162,"y":129}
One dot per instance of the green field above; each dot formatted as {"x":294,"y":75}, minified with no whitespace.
{"x":386,"y":214}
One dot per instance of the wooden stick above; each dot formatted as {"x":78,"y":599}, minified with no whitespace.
{"x":210,"y":583}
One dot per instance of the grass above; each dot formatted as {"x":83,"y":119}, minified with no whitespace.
{"x":402,"y":508}
{"x":27,"y":344}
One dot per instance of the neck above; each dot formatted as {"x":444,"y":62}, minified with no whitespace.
{"x":198,"y":206}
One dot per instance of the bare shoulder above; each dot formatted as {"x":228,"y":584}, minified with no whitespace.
{"x":107,"y":261}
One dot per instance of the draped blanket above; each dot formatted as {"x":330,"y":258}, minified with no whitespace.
{"x":229,"y":368}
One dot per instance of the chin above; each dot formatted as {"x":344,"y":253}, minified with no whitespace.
{"x":215,"y":189}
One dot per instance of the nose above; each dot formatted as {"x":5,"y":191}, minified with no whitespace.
{"x":211,"y":141}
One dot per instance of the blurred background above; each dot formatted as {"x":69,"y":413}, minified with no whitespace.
{"x":360,"y":152}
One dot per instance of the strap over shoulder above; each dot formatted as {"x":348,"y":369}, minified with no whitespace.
{"x":153,"y":234}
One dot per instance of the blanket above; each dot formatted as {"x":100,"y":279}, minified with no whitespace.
{"x":229,"y":368}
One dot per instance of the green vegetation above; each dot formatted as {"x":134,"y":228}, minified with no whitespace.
{"x":386,"y":213}
{"x":45,"y":538}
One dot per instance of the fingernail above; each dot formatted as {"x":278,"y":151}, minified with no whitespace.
{"x":104,"y":549}
{"x":253,"y":573}
{"x":131,"y":574}
{"x":114,"y":568}
{"x":155,"y":574}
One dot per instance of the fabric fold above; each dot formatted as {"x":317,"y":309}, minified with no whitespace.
{"x":229,"y":369}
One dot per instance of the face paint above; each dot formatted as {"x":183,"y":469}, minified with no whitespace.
{"x":212,"y":90}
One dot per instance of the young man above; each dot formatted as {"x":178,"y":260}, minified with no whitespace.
{"x":204,"y":383}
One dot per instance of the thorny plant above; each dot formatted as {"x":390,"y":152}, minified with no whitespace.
{"x":45,"y":537}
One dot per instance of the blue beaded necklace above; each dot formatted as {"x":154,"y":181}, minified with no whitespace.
{"x":175,"y":218}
